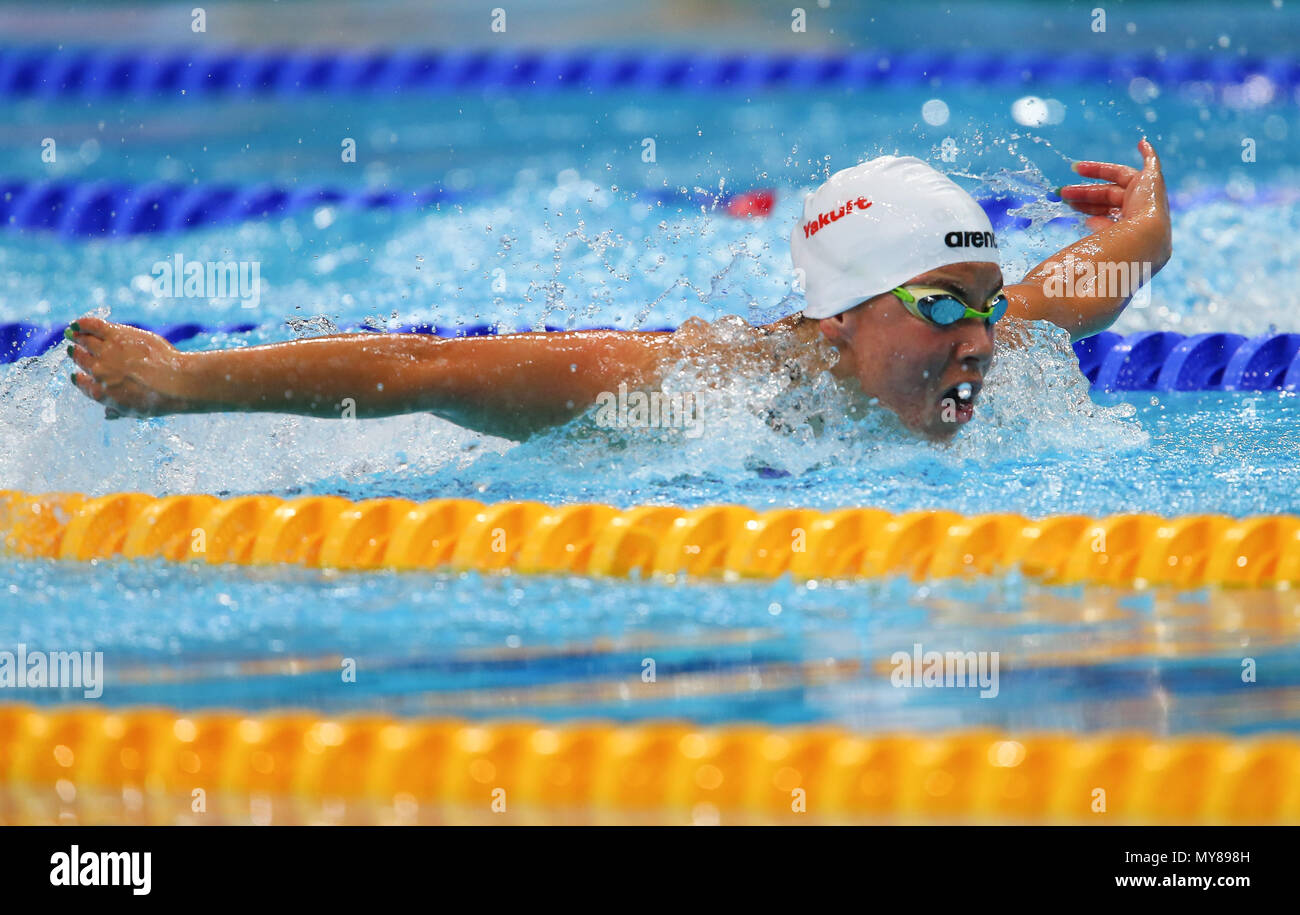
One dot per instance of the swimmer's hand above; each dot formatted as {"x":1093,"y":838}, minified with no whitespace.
{"x":132,"y":372}
{"x":1129,"y":195}
{"x":1131,"y":241}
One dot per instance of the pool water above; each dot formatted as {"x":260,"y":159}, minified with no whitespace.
{"x":560,"y":649}
{"x":551,"y":190}
{"x":1041,"y":445}
{"x":552,"y":221}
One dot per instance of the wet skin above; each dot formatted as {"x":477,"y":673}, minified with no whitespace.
{"x":911,"y":366}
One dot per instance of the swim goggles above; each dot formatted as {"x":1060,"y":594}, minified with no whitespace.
{"x":944,"y":308}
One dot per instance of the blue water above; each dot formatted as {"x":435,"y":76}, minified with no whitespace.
{"x":551,"y":203}
{"x":559,"y":649}
{"x":551,"y":190}
{"x":1040,"y":445}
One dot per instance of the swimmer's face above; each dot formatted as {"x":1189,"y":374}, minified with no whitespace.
{"x":913,"y":366}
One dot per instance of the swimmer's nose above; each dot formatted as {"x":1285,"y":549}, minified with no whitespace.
{"x":974,"y":348}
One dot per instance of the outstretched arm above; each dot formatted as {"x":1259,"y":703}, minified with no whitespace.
{"x":511,"y":385}
{"x":1083,"y":288}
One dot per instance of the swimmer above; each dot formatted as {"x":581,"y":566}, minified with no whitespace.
{"x":905,"y":304}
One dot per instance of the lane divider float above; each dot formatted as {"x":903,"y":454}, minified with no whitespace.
{"x":124,"y":209}
{"x":144,"y":765}
{"x":186,"y":74}
{"x":729,"y":542}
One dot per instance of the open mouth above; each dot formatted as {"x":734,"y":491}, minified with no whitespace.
{"x":957,"y":404}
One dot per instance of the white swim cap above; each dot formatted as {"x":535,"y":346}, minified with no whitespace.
{"x":878,"y":224}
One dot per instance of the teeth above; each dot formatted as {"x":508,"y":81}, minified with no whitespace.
{"x":964,"y":391}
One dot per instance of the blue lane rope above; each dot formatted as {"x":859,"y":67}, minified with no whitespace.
{"x":1145,"y":361}
{"x":96,"y":209}
{"x":121,"y":209}
{"x":82,"y":72}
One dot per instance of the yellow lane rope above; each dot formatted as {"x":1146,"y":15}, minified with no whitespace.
{"x":731,"y":541}
{"x":153,"y":765}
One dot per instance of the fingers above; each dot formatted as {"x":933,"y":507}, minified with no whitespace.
{"x":88,"y":333}
{"x":1120,"y":174}
{"x":1093,"y":199}
{"x":84,"y":344}
{"x":1150,"y":158}
{"x":1108,"y":212}
{"x":91,"y":327}
{"x":88,"y":385}
{"x":85,"y":349}
{"x":1102,"y":203}
{"x":82,"y":359}
{"x":1108,"y":195}
{"x":1106,"y":171}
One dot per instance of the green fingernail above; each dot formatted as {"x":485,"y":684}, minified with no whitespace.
{"x":70,"y":349}
{"x":67,"y":333}
{"x":75,"y":326}
{"x":73,"y":376}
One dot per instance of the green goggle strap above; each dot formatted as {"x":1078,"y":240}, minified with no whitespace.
{"x":909,"y":301}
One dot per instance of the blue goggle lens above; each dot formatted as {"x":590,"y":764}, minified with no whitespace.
{"x":945,"y":310}
{"x":999,"y":309}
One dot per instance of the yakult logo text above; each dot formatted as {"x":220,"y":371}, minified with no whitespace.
{"x":830,"y":216}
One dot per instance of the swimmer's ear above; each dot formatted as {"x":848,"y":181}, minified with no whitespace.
{"x":838,"y":328}
{"x":841,"y":327}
